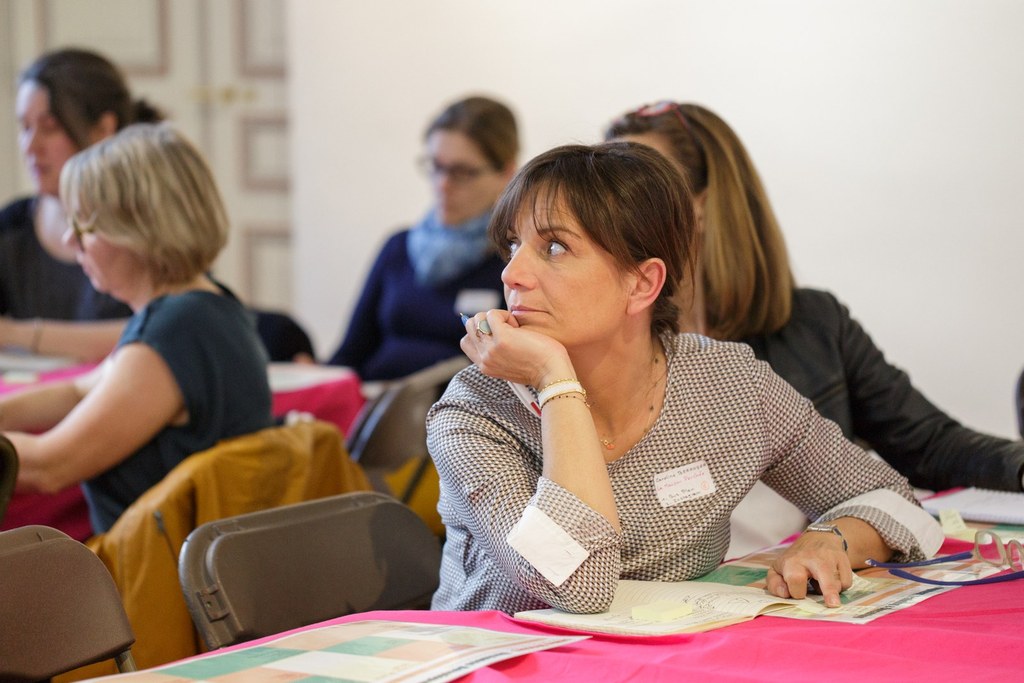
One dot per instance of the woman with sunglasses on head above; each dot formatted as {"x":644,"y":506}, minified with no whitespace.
{"x":146,"y":223}
{"x":406,"y":318}
{"x":631,"y":444}
{"x":67,"y":100}
{"x":744,"y":291}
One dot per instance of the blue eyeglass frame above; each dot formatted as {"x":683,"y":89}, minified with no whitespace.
{"x":1006,"y":561}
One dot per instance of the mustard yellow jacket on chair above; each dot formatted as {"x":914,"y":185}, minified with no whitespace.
{"x":273,"y":467}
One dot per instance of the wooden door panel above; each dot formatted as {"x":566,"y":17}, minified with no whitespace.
{"x":218,"y":69}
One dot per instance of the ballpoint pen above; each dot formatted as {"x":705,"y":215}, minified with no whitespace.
{"x":482,"y":328}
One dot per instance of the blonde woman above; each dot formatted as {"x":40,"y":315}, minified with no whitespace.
{"x":146,"y":222}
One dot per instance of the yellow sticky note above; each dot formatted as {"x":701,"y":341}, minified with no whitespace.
{"x":953,"y":525}
{"x":812,"y":607}
{"x":663,"y":610}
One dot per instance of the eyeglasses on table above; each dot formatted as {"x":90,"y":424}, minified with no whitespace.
{"x":988,"y":548}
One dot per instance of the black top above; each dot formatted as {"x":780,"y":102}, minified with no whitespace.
{"x":209,"y":343}
{"x":829,"y":358}
{"x":400,"y":326}
{"x":33,"y":284}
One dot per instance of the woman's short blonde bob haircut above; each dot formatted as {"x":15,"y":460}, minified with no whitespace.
{"x":149,"y":189}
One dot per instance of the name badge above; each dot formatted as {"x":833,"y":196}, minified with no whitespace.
{"x":684,"y":483}
{"x":470,"y":301}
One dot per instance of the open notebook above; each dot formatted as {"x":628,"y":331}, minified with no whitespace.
{"x":980,"y":505}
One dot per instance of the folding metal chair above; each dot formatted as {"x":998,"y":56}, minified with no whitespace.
{"x":266,"y":572}
{"x":1019,"y":402}
{"x":282,"y":336}
{"x":273,"y":467}
{"x":59,"y":608}
{"x":392,"y":432}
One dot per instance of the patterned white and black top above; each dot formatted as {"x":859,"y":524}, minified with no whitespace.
{"x":722,"y":406}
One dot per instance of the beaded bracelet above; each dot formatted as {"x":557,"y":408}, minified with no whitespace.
{"x":562,"y":386}
{"x":568,"y":394}
{"x":559,"y":381}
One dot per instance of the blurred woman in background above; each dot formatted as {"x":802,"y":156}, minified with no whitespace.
{"x":146,"y":221}
{"x":67,"y":100}
{"x":745,"y":291}
{"x":407,"y":318}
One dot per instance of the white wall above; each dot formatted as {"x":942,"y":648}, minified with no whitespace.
{"x":889,"y":135}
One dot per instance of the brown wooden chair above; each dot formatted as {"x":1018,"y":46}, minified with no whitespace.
{"x":59,"y":608}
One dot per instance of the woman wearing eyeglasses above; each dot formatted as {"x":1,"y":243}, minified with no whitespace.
{"x":67,"y":100}
{"x":632,"y":443}
{"x":745,"y":291}
{"x":147,"y":222}
{"x":407,"y":316}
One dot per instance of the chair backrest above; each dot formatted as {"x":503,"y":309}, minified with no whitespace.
{"x":8,"y":473}
{"x":59,"y":608}
{"x":270,"y":468}
{"x":1020,"y":404}
{"x":265,"y":572}
{"x":393,"y":430}
{"x":282,"y":336}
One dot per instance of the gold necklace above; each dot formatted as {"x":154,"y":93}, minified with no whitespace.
{"x":609,"y":444}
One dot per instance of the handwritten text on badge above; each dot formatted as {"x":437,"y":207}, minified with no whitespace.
{"x":683,"y":483}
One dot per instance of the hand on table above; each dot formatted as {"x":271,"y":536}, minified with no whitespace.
{"x":813,"y":555}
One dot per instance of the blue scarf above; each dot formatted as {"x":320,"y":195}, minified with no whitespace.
{"x":442,"y":253}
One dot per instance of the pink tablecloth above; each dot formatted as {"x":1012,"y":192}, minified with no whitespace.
{"x":337,"y":400}
{"x":65,"y":510}
{"x":335,"y":397}
{"x":973,"y":633}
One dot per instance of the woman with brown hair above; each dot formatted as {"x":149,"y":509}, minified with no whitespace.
{"x":744,"y":291}
{"x":622,"y":447}
{"x":67,"y":100}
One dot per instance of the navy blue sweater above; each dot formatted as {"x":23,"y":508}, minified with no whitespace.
{"x":400,"y":326}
